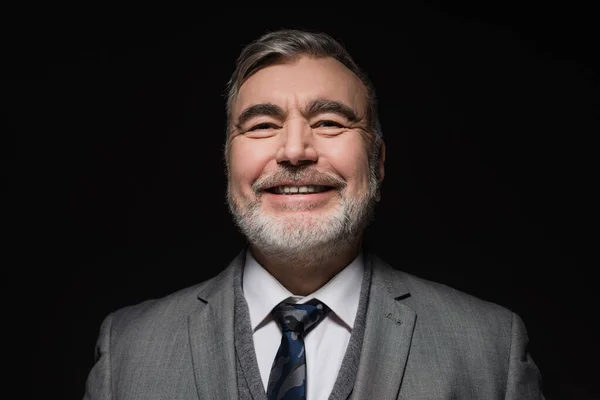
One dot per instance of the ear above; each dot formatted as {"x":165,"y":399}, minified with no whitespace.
{"x":381,"y":162}
{"x":380,"y":169}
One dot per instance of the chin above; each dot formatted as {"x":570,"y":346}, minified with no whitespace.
{"x":296,"y":234}
{"x":302,"y":233}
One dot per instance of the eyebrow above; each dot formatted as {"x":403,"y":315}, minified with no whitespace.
{"x":317,"y":106}
{"x":257,"y":110}
{"x":321,"y":106}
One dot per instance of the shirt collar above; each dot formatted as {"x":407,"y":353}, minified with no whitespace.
{"x":263,"y":292}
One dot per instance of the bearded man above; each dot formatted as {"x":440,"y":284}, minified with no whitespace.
{"x":304,"y":311}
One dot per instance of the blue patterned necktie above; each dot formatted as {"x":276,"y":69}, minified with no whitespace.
{"x":287,"y":380}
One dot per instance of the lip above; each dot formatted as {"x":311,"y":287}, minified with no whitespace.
{"x":306,"y":198}
{"x":300,"y":183}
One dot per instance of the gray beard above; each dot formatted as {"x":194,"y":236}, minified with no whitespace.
{"x":305,"y":239}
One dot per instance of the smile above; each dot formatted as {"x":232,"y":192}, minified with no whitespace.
{"x":290,"y":190}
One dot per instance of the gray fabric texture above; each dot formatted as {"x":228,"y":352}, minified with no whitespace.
{"x":422,"y":340}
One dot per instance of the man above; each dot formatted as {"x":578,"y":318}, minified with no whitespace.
{"x":304,"y":311}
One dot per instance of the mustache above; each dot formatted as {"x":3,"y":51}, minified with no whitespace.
{"x":284,"y":176}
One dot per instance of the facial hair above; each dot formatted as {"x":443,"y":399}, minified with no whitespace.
{"x":293,"y":238}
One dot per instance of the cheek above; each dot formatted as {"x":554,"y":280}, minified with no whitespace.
{"x":247,"y":161}
{"x":350,"y":160}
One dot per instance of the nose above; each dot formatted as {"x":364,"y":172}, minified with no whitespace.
{"x":297,"y":147}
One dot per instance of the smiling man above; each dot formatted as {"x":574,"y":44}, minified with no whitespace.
{"x":304,"y":312}
{"x":302,"y":176}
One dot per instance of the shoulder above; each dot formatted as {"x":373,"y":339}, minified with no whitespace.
{"x":168,"y":313}
{"x":440,"y":304}
{"x":154,"y":314}
{"x":452,"y":324}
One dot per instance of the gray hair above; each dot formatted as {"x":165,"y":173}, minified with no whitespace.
{"x":289,"y":44}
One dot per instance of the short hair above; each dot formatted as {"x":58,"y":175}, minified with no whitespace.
{"x":288,"y":45}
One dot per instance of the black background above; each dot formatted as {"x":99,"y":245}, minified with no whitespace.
{"x":489,"y":116}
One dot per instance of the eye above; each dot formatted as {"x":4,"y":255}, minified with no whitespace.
{"x":328,"y":124}
{"x":261,"y":126}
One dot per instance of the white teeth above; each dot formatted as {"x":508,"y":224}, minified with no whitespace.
{"x":299,"y":189}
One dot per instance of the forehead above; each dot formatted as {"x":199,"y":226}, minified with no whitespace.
{"x":296,"y":83}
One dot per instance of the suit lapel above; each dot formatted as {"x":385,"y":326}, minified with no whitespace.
{"x":388,"y":333}
{"x":212,"y":337}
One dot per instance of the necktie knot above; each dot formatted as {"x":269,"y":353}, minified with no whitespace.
{"x":299,"y":318}
{"x":287,"y":380}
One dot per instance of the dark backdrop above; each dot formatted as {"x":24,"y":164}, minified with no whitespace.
{"x":488,"y":115}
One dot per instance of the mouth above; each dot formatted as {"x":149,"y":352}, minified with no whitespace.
{"x":298,"y":189}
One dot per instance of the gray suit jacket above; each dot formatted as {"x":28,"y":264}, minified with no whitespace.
{"x":422,"y":340}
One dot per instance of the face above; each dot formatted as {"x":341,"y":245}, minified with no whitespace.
{"x":300,"y":174}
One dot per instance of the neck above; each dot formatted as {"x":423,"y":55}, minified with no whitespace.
{"x":304,"y":272}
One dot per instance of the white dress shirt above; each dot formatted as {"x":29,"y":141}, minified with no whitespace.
{"x":325,"y":345}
